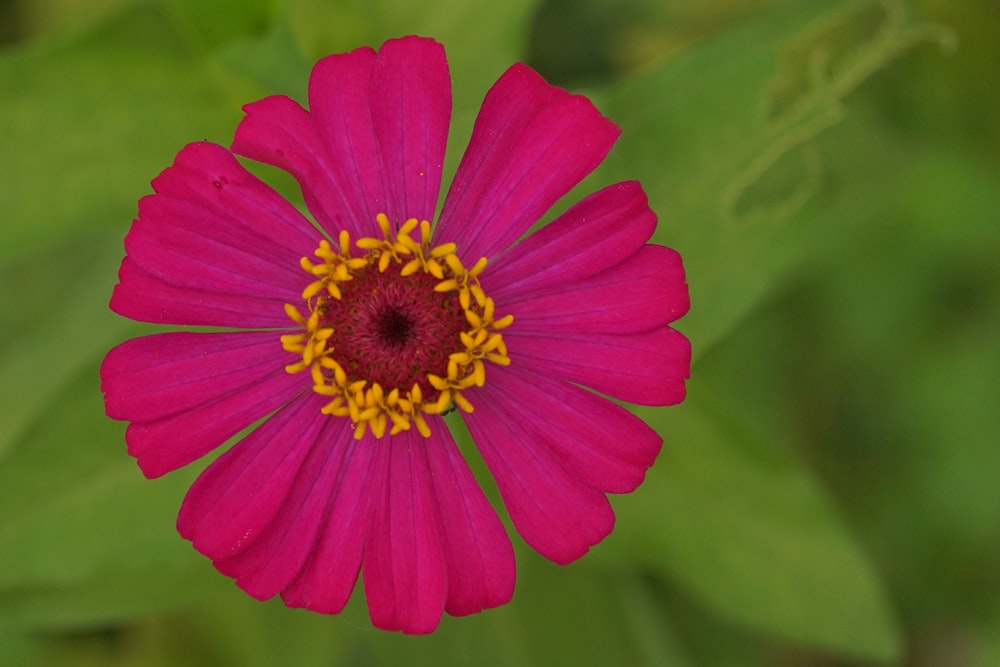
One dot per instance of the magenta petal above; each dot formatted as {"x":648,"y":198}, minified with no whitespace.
{"x":251,"y":214}
{"x":647,"y":368}
{"x":374,"y":139}
{"x":191,"y":430}
{"x":269,"y":563}
{"x":212,"y":226}
{"x":339,"y":90}
{"x":644,"y":292}
{"x":555,"y":511}
{"x":206,"y":386}
{"x":327,"y":579}
{"x":405,"y":573}
{"x":279,"y":132}
{"x":478,"y":553}
{"x":411,"y":109}
{"x":154,"y":376}
{"x":234,"y":500}
{"x":158,"y":449}
{"x":597,"y":440}
{"x":531,"y":144}
{"x":144,"y":297}
{"x":180,"y":243}
{"x":598,"y":232}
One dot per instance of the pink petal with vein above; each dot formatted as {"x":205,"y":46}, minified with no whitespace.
{"x":373,"y":140}
{"x":184,"y":435}
{"x":647,"y":368}
{"x":253,"y":213}
{"x":279,"y":132}
{"x":267,"y":565}
{"x":234,"y":500}
{"x":340,"y":104}
{"x":144,"y":297}
{"x":212,"y":226}
{"x":598,"y":232}
{"x":214,"y":246}
{"x":181,"y":243}
{"x":555,"y":511}
{"x":531,"y":144}
{"x":478,"y":553}
{"x":598,"y":441}
{"x":154,"y":376}
{"x":644,"y":292}
{"x":405,"y":571}
{"x":327,"y":579}
{"x":411,"y":109}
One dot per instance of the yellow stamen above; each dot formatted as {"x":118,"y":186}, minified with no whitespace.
{"x":369,"y":405}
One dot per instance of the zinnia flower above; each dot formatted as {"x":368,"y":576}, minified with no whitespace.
{"x":353,"y":333}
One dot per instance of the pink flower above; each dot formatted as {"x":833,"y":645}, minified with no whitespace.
{"x":353,"y":335}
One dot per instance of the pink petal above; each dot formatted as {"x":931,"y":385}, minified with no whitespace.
{"x":647,"y":368}
{"x":215,"y":227}
{"x":179,"y":242}
{"x":158,"y":449}
{"x":478,"y":553}
{"x":214,"y":246}
{"x":279,"y":132}
{"x":598,"y":232}
{"x":234,"y":500}
{"x":555,"y":511}
{"x":411,"y":109}
{"x":274,"y":559}
{"x":339,"y":90}
{"x":405,"y":572}
{"x":154,"y":376}
{"x":531,"y":144}
{"x":253,"y":215}
{"x":186,"y":434}
{"x":596,"y":440}
{"x":644,"y":292}
{"x":142,"y":296}
{"x":327,"y":579}
{"x":374,"y":139}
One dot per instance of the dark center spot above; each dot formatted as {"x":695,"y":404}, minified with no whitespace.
{"x":394,"y":327}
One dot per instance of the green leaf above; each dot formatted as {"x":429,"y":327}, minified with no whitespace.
{"x":212,"y":24}
{"x":722,"y":137}
{"x":54,"y":330}
{"x":91,"y":538}
{"x":45,"y":17}
{"x":655,"y":636}
{"x":748,"y":532}
{"x":110,"y":597}
{"x":20,"y":649}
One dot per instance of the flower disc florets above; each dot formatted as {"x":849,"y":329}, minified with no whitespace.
{"x":396,"y":332}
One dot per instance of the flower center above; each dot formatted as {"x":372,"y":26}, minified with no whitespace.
{"x":392,"y":329}
{"x":396,"y":333}
{"x":394,"y":326}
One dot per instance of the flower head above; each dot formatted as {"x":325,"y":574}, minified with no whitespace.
{"x":352,"y":333}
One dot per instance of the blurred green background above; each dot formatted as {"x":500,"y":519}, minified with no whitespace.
{"x":828,"y":494}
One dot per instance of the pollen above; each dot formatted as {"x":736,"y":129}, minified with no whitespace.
{"x":392,"y":329}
